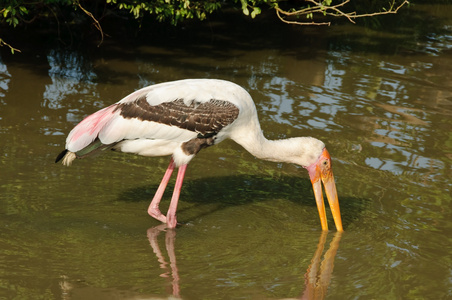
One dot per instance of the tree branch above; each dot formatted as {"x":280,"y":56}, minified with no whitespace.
{"x":280,"y":11}
{"x":96,"y":23}
{"x":334,"y":11}
{"x":3,"y":43}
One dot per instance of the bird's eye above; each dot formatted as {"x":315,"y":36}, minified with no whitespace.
{"x":325,"y":162}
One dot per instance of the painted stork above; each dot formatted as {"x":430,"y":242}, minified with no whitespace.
{"x":182,"y":117}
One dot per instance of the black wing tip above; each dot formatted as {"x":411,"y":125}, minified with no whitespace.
{"x":61,"y":155}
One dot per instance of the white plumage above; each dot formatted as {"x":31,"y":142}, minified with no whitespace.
{"x":180,"y":118}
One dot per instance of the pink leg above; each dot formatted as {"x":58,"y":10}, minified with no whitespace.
{"x":171,"y":215}
{"x":169,"y":242}
{"x":153,"y":209}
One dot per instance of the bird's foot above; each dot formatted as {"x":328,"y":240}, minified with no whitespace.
{"x":156,"y":214}
{"x":171,"y":221}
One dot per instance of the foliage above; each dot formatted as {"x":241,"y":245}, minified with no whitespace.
{"x":173,"y":11}
{"x":11,"y":11}
{"x":300,"y":12}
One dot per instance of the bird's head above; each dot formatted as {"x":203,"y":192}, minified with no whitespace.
{"x":321,"y":171}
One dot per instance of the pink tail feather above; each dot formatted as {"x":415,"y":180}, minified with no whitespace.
{"x":88,"y":130}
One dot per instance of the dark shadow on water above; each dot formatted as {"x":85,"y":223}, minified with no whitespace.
{"x":317,"y":277}
{"x":237,"y":190}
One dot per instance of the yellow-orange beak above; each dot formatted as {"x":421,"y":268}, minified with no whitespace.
{"x":322,"y":171}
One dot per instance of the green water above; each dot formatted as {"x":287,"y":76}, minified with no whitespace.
{"x":381,"y":101}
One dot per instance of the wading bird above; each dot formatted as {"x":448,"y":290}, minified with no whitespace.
{"x":182,"y":117}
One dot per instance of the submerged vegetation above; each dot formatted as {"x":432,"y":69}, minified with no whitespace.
{"x":15,"y":13}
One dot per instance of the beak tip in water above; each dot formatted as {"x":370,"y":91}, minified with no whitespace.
{"x":321,"y":171}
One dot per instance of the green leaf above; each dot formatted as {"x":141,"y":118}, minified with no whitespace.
{"x":255,"y":12}
{"x":23,"y":9}
{"x":245,"y":10}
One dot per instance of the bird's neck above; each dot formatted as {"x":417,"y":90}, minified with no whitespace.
{"x":303,"y":151}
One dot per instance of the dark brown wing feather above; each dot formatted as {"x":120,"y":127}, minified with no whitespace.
{"x":206,"y":118}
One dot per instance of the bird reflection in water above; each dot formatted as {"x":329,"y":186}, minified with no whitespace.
{"x":170,"y":237}
{"x":316,"y":279}
{"x":318,"y":275}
